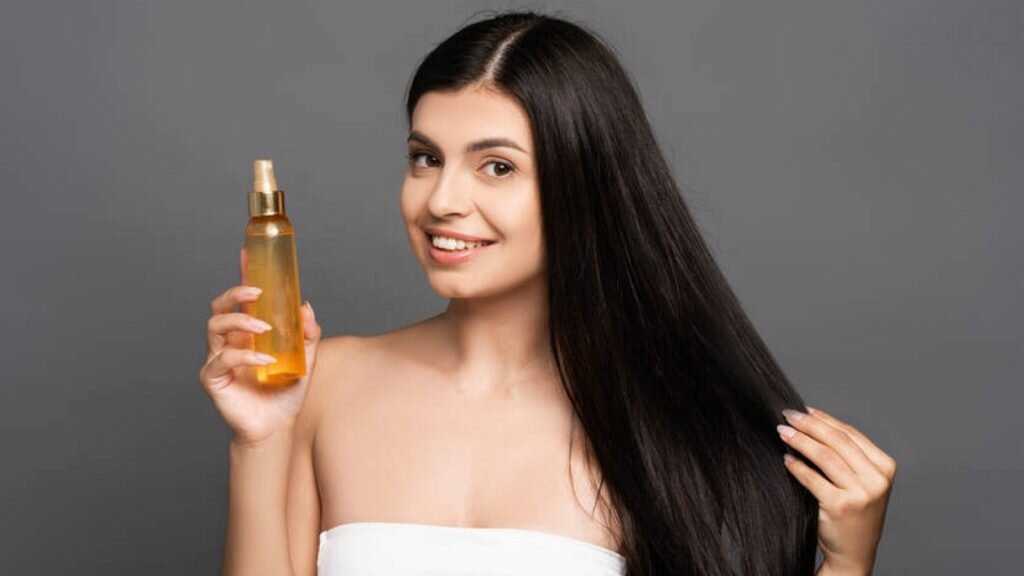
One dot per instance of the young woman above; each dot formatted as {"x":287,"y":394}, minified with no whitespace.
{"x":593,"y":400}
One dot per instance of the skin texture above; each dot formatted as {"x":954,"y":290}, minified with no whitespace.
{"x":458,"y":419}
{"x":468,"y":399}
{"x":853,"y":495}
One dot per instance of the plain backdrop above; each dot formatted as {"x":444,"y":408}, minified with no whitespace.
{"x":855,"y":166}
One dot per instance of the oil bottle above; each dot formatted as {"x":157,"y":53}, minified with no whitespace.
{"x":272,"y":265}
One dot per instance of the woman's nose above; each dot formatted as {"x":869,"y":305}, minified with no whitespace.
{"x":450,"y":195}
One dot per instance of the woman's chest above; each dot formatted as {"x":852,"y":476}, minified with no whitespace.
{"x":406,"y":454}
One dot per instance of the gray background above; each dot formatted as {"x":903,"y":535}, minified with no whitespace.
{"x":855,"y":166}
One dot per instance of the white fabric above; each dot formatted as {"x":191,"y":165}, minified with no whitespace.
{"x":406,"y":549}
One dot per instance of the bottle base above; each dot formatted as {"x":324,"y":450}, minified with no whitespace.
{"x":281,"y":380}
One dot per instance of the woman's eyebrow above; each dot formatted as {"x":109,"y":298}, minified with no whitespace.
{"x":472,"y":146}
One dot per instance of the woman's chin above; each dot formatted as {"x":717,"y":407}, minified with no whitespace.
{"x":447,"y":289}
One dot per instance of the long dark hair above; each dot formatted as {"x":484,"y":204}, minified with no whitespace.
{"x":677,"y":395}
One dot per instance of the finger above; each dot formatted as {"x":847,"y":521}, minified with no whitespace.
{"x":827,"y":459}
{"x":836,"y":439}
{"x":227,"y":300}
{"x":225,"y":304}
{"x":238,"y":339}
{"x":310,"y":328}
{"x":220,"y":326}
{"x":312,"y":335}
{"x":882,"y":460}
{"x":821,"y":488}
{"x":215,"y":374}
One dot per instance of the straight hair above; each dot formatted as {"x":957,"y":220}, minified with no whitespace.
{"x":677,"y":395}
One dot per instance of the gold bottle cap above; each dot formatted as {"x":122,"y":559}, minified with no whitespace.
{"x":266,"y":199}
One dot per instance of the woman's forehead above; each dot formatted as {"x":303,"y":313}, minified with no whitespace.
{"x":452,"y":119}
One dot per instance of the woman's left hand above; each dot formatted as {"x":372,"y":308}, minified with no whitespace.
{"x":852,"y":498}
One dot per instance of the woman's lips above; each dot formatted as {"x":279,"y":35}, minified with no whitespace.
{"x":452,"y":257}
{"x":456,"y":235}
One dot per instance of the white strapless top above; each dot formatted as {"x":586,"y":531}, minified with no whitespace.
{"x":407,"y":549}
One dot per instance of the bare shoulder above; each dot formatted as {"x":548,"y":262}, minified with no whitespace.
{"x":353,"y":352}
{"x":338,"y":358}
{"x":349,"y":363}
{"x":337,"y":352}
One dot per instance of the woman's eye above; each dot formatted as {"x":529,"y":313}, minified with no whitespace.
{"x":502,"y":169}
{"x":505,"y":170}
{"x":414,"y":156}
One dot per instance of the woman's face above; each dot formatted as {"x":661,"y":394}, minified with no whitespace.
{"x":471,"y":172}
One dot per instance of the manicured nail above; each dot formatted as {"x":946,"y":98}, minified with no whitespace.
{"x":313,"y":312}
{"x":261,"y":325}
{"x":253,"y":290}
{"x":785,"y":431}
{"x":793,"y":415}
{"x":265,"y":358}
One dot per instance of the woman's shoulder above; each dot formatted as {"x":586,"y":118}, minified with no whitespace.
{"x":357,"y":354}
{"x":354,"y":369}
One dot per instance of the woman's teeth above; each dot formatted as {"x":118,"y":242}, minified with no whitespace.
{"x":445,"y":243}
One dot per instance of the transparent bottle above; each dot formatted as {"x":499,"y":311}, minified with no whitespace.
{"x":272,"y":265}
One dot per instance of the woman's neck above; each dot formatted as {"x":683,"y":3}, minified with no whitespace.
{"x":498,"y":343}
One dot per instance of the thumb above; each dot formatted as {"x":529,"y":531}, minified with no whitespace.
{"x":309,"y":324}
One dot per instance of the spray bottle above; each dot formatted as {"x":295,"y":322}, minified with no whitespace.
{"x":272,"y":265}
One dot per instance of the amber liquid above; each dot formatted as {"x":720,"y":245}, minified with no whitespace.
{"x":272,"y":264}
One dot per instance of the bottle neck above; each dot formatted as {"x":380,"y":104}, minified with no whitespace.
{"x":261,"y":204}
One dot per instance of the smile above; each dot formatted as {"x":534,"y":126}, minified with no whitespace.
{"x":445,"y":250}
{"x":446,"y":243}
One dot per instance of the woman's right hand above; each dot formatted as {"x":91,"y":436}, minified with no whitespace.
{"x":253,"y":412}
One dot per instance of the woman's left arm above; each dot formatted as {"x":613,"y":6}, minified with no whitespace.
{"x":852,"y":499}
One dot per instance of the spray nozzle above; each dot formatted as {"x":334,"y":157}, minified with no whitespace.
{"x":263,"y":177}
{"x":266,"y":199}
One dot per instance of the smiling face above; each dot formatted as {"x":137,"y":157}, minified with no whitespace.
{"x":471,"y":172}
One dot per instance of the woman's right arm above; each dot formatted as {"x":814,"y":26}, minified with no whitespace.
{"x":257,"y":531}
{"x":270,"y":446}
{"x":264,"y":479}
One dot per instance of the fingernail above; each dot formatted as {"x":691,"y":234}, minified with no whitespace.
{"x":793,"y":415}
{"x":254,"y":290}
{"x":261,"y":325}
{"x":785,"y":431}
{"x":265,"y":358}
{"x":313,"y":312}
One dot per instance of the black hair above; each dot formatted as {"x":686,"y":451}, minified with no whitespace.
{"x":677,"y":395}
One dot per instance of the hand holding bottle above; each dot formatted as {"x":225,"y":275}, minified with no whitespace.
{"x":252,"y":410}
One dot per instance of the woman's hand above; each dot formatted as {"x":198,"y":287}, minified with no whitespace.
{"x":253,"y":412}
{"x":854,"y":495}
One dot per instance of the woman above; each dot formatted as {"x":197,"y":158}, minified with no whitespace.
{"x":593,"y":400}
